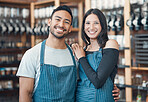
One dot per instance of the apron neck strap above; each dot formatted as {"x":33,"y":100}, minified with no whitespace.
{"x":74,"y":61}
{"x":42,"y":52}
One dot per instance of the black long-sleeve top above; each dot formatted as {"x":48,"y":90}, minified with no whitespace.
{"x":107,"y":67}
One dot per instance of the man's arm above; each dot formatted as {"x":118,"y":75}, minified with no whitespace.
{"x":26,"y":89}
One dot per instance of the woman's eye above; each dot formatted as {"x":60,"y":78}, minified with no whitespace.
{"x":96,"y":22}
{"x":87,"y":23}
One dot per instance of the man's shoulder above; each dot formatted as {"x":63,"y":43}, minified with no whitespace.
{"x":34,"y":51}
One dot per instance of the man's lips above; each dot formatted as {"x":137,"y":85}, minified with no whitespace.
{"x":60,"y":30}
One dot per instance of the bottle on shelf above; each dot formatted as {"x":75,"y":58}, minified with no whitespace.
{"x":10,"y":27}
{"x":119,"y":22}
{"x":144,"y":21}
{"x":138,"y":96}
{"x":130,"y":21}
{"x":17,"y":27}
{"x":108,"y":17}
{"x":147,"y":96}
{"x":4,"y":27}
{"x":112,"y":22}
{"x":137,"y":20}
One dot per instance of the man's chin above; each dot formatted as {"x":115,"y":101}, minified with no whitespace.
{"x":58,"y":36}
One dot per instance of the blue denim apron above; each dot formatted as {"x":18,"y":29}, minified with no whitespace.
{"x":56,"y":84}
{"x":86,"y":91}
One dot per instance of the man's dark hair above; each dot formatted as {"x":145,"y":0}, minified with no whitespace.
{"x":65,"y":8}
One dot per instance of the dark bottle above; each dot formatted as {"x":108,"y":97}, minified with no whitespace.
{"x":42,"y":30}
{"x":112,"y":22}
{"x":17,"y":27}
{"x":22,"y":27}
{"x":137,"y":21}
{"x":4,"y":27}
{"x":39,"y":28}
{"x":28,"y":29}
{"x":34,"y":30}
{"x":119,"y":22}
{"x":144,"y":21}
{"x":130,"y":21}
{"x":46,"y":27}
{"x":10,"y":26}
{"x":108,"y":17}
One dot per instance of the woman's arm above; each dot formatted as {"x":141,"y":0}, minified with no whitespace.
{"x":107,"y":64}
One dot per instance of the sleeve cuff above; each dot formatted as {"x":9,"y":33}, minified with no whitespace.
{"x":82,"y":60}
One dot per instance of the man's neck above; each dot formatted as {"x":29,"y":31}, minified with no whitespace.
{"x":56,"y":43}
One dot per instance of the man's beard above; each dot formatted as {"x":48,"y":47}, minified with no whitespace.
{"x":58,"y":37}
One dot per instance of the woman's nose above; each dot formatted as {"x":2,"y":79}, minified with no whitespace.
{"x":91,"y":26}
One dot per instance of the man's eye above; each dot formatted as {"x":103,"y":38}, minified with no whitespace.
{"x":57,"y":19}
{"x":67,"y":22}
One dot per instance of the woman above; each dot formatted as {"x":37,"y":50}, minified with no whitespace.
{"x":98,"y":62}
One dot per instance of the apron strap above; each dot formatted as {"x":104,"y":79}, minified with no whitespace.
{"x":42,"y":53}
{"x":74,"y":61}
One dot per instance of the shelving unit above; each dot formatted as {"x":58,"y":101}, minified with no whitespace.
{"x":12,"y":47}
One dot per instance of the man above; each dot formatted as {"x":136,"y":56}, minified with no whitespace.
{"x":47,"y":72}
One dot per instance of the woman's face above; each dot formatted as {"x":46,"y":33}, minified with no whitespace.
{"x":92,"y":26}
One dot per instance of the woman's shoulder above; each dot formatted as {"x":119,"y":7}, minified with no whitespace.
{"x":111,"y":43}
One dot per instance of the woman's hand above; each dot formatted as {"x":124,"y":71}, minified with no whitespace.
{"x":78,"y":51}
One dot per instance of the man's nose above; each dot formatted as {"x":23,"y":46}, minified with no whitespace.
{"x":61,"y":24}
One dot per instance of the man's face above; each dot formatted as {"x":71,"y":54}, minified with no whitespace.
{"x":60,"y":24}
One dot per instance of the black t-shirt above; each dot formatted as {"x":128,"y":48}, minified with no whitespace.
{"x":107,"y":67}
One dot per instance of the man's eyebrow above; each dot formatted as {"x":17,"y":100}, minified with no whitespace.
{"x":61,"y":18}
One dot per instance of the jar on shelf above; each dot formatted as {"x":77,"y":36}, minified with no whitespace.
{"x":2,"y":71}
{"x":14,"y":69}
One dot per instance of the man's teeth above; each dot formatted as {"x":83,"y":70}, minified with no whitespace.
{"x":60,"y":30}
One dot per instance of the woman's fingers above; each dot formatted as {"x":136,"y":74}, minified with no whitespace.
{"x":75,"y":46}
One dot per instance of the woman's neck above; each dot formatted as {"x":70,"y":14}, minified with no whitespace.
{"x":94,"y":46}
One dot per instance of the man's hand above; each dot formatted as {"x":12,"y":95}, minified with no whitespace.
{"x":116,"y":93}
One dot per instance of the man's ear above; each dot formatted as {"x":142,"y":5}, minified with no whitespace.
{"x":49,"y":22}
{"x":70,"y":28}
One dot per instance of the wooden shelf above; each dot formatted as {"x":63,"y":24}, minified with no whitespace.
{"x":44,"y":2}
{"x":75,"y":29}
{"x":132,"y":86}
{"x":6,"y":91}
{"x":12,"y":50}
{"x":12,"y":64}
{"x":140,"y":68}
{"x":123,"y":66}
{"x":8,"y":77}
{"x":10,"y":3}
